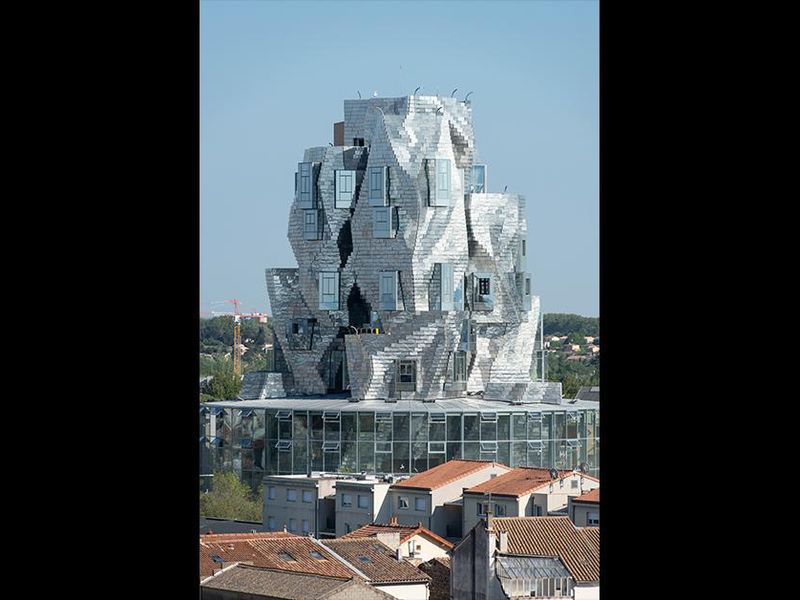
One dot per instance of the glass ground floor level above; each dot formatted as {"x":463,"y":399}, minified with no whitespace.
{"x":296,"y":435}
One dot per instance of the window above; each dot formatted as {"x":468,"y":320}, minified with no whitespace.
{"x":285,"y":555}
{"x":306,"y":495}
{"x":479,"y":179}
{"x":389,"y":290}
{"x":347,"y":500}
{"x":358,"y":141}
{"x":291,"y":495}
{"x":488,"y":417}
{"x":331,"y":415}
{"x":317,"y":555}
{"x":384,"y":222}
{"x":523,"y":247}
{"x":292,"y":524}
{"x":438,"y":171}
{"x":435,"y":447}
{"x":484,"y":286}
{"x":347,"y":528}
{"x":402,"y":502}
{"x":271,"y":492}
{"x":307,"y":196}
{"x":271,"y":523}
{"x":284,"y":415}
{"x":499,"y":510}
{"x":593,"y":518}
{"x":312,"y":229}
{"x":481,"y":511}
{"x":574,"y":484}
{"x":329,"y":290}
{"x":284,"y":445}
{"x":406,"y":375}
{"x":441,"y":287}
{"x":488,"y":446}
{"x":527,"y":286}
{"x":345,"y":185}
{"x":305,"y":526}
{"x":363,"y":501}
{"x":419,"y":504}
{"x":363,"y":559}
{"x":377,"y":186}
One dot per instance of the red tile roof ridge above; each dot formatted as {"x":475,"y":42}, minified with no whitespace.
{"x":411,"y":530}
{"x":421,"y":480}
{"x":592,"y":496}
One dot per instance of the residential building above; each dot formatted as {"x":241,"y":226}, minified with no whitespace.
{"x":427,"y":497}
{"x":524,"y":492}
{"x":217,"y":525}
{"x":384,"y":568}
{"x":526,"y":557}
{"x":407,"y":334}
{"x":246,"y":582}
{"x":360,"y":501}
{"x":366,"y":559}
{"x":301,"y":504}
{"x":584,"y":510}
{"x":414,"y":541}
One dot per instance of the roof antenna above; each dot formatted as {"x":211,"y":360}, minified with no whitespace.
{"x":453,"y":93}
{"x":467,"y":96}
{"x":359,"y":95}
{"x":416,"y":90}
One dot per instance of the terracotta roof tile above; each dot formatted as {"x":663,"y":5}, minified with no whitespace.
{"x":578,"y":548}
{"x":592,"y":496}
{"x":382,"y":565}
{"x":406,"y":533}
{"x":263,"y":550}
{"x":246,"y":579}
{"x":447,"y":472}
{"x":518,"y":481}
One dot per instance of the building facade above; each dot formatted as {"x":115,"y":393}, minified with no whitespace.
{"x":408,"y":334}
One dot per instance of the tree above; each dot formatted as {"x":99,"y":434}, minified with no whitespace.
{"x":225,"y":385}
{"x":229,"y":498}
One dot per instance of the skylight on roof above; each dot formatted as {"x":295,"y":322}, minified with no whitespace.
{"x":317,"y":555}
{"x":364,"y":559}
{"x":287,"y":557}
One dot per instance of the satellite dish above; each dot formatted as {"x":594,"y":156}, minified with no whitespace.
{"x":553,"y":474}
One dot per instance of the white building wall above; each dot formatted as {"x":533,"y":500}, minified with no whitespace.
{"x":417,"y":591}
{"x":587,"y":592}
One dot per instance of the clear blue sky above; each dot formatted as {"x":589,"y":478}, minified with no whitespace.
{"x":273,"y":77}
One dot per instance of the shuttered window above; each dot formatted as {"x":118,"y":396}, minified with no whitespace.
{"x":384,"y":222}
{"x":479,"y":179}
{"x":447,"y":286}
{"x":306,"y":191}
{"x":311,"y":225}
{"x":439,"y":182}
{"x":345,"y":184}
{"x":329,"y":290}
{"x":389,"y":290}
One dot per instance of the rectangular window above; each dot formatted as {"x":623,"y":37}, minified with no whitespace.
{"x":330,"y":446}
{"x":420,"y":504}
{"x":406,"y":375}
{"x":271,"y":523}
{"x":484,"y":288}
{"x":271,"y":492}
{"x":292,"y":524}
{"x":523,"y":247}
{"x":489,"y":447}
{"x":479,"y":179}
{"x":384,"y":222}
{"x":284,"y":445}
{"x":435,"y":447}
{"x":499,"y":510}
{"x":363,"y":501}
{"x":593,"y":518}
{"x":527,"y":286}
{"x":389,"y":290}
{"x":305,"y":526}
{"x":488,"y":417}
{"x":307,"y":196}
{"x":345,"y":185}
{"x":284,"y":415}
{"x":402,"y":502}
{"x":329,"y":290}
{"x":574,"y":484}
{"x":347,"y":500}
{"x":439,"y":182}
{"x":377,"y":186}
{"x":446,"y":286}
{"x":307,"y":496}
{"x":481,"y":512}
{"x":331,"y":415}
{"x":459,"y":366}
{"x":291,"y":495}
{"x":312,"y":225}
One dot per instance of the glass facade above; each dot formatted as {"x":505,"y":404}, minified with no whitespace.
{"x":256,"y":442}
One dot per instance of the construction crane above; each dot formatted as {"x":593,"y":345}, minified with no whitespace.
{"x":238,"y":315}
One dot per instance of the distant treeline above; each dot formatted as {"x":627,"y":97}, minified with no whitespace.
{"x":568,"y":324}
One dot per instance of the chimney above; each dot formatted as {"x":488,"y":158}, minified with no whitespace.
{"x":489,"y":515}
{"x":393,"y":521}
{"x":399,"y":554}
{"x":391,"y":539}
{"x":338,"y":134}
{"x":503,"y":546}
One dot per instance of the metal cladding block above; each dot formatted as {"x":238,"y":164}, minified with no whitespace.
{"x":535,"y":391}
{"x":408,"y":285}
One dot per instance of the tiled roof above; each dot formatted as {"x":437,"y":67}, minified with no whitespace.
{"x":592,"y":496}
{"x":246,"y":579}
{"x":445,"y":473}
{"x":406,"y":533}
{"x":517,"y":482}
{"x":263,"y":550}
{"x":382,"y":565}
{"x":578,"y":548}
